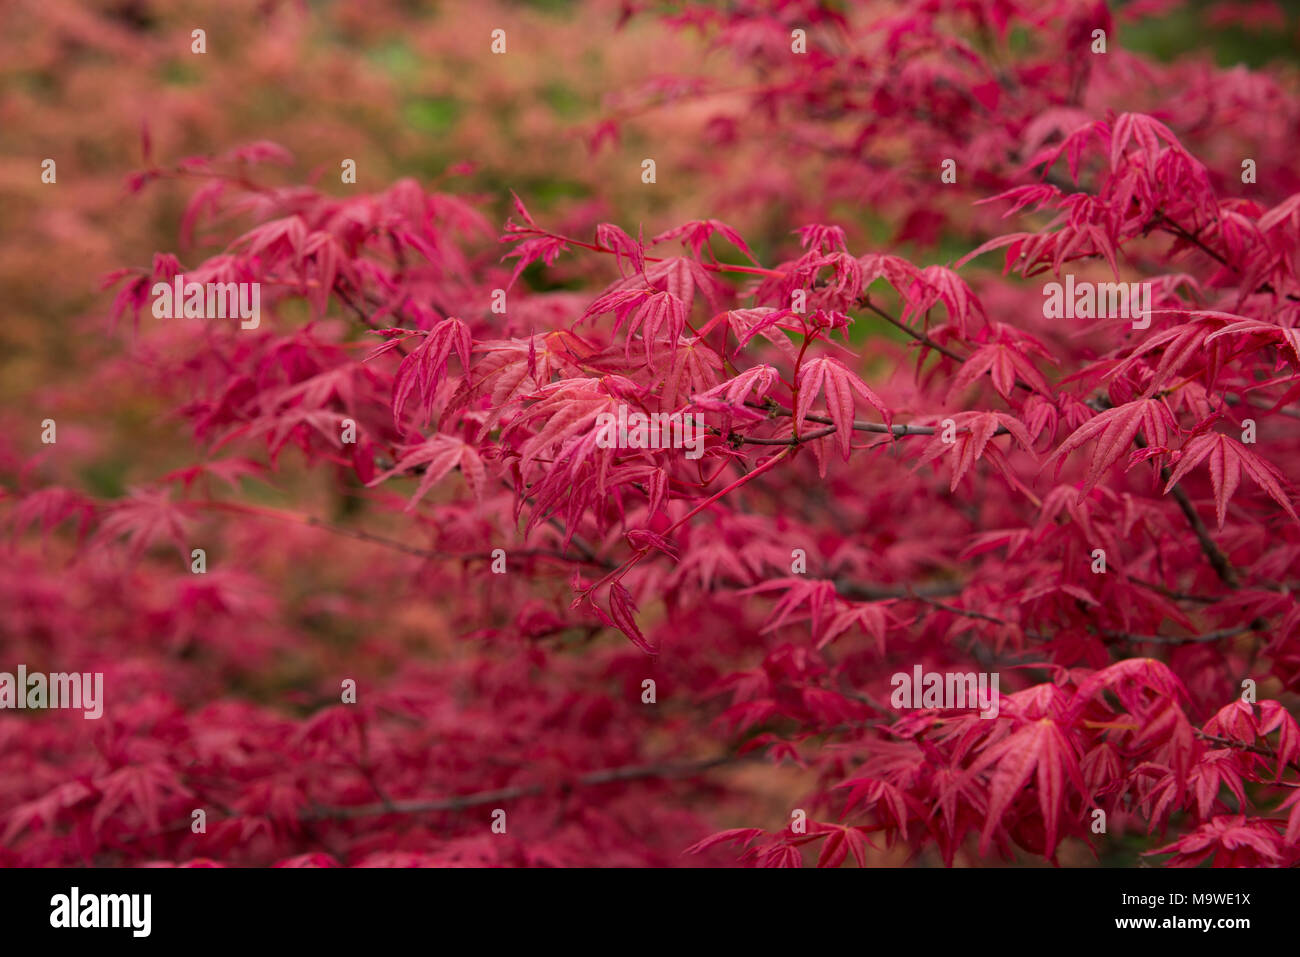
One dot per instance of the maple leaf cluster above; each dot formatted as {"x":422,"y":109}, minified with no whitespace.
{"x":398,"y":480}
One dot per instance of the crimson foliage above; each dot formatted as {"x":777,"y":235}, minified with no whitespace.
{"x":906,"y":464}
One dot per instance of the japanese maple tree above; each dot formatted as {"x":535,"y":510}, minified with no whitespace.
{"x":397,"y":480}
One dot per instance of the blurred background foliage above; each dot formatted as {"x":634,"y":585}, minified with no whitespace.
{"x":405,"y":89}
